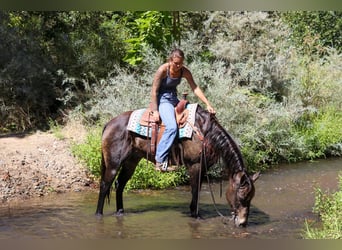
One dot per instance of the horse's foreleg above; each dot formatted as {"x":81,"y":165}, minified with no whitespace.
{"x":195,"y":183}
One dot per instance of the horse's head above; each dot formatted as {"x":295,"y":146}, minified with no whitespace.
{"x":239,"y":194}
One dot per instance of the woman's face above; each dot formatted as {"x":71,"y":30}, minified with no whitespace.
{"x":176,"y":63}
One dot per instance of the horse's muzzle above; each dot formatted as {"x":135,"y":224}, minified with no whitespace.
{"x":239,"y":221}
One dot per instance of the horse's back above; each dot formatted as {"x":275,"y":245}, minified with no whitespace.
{"x":115,"y":129}
{"x":117,"y":122}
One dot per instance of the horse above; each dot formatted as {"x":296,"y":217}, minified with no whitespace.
{"x":123,"y":149}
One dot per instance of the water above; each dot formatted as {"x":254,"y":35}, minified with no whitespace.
{"x":284,"y":199}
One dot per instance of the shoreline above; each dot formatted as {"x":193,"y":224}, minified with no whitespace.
{"x":38,"y":164}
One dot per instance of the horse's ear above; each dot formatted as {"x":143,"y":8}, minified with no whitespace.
{"x":255,"y":176}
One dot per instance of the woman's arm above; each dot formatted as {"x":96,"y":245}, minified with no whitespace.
{"x":155,"y":90}
{"x":197,"y":90}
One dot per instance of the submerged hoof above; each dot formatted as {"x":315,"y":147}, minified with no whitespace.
{"x":199,"y":217}
{"x":196,"y":216}
{"x":99,"y":217}
{"x":120,"y":212}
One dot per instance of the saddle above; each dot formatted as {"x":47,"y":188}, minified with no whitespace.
{"x":158,"y":128}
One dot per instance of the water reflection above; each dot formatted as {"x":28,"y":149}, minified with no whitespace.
{"x":284,"y":198}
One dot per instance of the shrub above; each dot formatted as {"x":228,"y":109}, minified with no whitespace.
{"x":322,"y":133}
{"x":145,"y":176}
{"x":89,"y":151}
{"x":328,"y":206}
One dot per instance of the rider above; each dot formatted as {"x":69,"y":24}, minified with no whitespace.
{"x":164,"y":99}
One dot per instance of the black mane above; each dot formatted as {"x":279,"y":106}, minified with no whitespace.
{"x":220,"y":144}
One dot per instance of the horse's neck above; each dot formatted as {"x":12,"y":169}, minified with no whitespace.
{"x":226,"y":147}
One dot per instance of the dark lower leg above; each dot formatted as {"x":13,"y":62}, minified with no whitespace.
{"x":104,"y":191}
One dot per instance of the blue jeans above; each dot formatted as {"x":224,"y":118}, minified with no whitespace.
{"x":167,"y":114}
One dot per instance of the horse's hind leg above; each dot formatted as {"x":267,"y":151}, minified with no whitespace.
{"x":104,"y":191}
{"x":107,"y":178}
{"x":126,"y":172}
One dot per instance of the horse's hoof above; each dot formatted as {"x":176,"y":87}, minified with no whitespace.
{"x":120,"y":212}
{"x":99,"y":217}
{"x":199,"y":217}
{"x":196,"y":216}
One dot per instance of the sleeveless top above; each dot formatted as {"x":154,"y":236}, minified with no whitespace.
{"x":169,"y":84}
{"x":168,"y":88}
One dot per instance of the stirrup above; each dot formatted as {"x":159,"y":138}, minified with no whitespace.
{"x":162,"y":166}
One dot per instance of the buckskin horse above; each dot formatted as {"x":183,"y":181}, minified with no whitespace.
{"x":123,"y":149}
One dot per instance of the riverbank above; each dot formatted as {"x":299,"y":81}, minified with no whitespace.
{"x":37,"y":165}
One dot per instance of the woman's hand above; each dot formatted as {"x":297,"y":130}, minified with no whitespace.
{"x":211,"y":109}
{"x":155,"y":115}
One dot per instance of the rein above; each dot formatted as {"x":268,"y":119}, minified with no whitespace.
{"x":204,"y":162}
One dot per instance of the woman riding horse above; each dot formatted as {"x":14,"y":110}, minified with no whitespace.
{"x":164,"y":99}
{"x":122,"y":150}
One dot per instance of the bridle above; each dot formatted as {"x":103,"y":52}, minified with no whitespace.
{"x":203,"y":162}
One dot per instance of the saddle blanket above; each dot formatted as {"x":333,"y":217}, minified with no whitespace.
{"x":185,"y":132}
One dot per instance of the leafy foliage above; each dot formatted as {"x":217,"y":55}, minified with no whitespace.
{"x":89,"y":152}
{"x":322,"y":133}
{"x":79,"y":43}
{"x":146,"y":177}
{"x":314,"y":30}
{"x":150,"y":29}
{"x":44,"y":55}
{"x":328,"y":207}
{"x":262,"y":111}
{"x":27,"y":94}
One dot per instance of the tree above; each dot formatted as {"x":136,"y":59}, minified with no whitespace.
{"x":47,"y":55}
{"x":312,"y":30}
{"x":27,"y":91}
{"x":147,"y":29}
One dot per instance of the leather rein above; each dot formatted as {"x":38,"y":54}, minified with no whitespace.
{"x":203,"y":162}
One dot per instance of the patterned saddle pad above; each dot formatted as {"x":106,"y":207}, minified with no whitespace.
{"x":185,"y":132}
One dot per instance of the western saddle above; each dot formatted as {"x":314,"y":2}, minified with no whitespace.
{"x":158,"y":128}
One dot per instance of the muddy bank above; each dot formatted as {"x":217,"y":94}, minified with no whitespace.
{"x":38,"y":165}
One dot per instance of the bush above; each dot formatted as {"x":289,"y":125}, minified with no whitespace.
{"x":89,"y":151}
{"x":328,"y":206}
{"x":145,"y":176}
{"x":322,"y":133}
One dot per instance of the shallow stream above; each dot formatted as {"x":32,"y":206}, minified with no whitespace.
{"x":284,"y":200}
